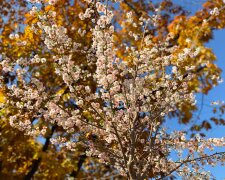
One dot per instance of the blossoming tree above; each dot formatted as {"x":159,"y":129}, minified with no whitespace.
{"x":112,"y":79}
{"x":23,"y":156}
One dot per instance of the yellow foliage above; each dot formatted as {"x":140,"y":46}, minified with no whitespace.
{"x":28,"y":33}
{"x":2,"y":97}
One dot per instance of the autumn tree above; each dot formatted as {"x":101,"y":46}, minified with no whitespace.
{"x":23,"y":156}
{"x":104,"y":75}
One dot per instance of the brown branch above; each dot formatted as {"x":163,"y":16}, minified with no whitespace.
{"x":82,"y":159}
{"x":133,"y":8}
{"x":36,"y":162}
{"x":197,"y":71}
{"x":121,"y":145}
{"x":191,"y":160}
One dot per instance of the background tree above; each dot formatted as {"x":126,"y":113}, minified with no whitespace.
{"x":23,"y":156}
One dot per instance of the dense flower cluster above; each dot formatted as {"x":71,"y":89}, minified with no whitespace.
{"x":126,"y":110}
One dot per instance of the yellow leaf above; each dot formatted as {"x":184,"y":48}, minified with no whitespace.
{"x":61,"y":91}
{"x":2,"y":97}
{"x":36,"y":156}
{"x":28,"y":33}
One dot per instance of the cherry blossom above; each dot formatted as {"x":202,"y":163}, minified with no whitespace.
{"x":127,"y":109}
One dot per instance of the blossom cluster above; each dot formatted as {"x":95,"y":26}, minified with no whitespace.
{"x":125,"y":110}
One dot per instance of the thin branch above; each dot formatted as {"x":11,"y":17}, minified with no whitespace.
{"x":120,"y":143}
{"x":133,"y":8}
{"x":191,"y":160}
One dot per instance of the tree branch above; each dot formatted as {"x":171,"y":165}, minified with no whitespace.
{"x":82,"y":159}
{"x":36,"y":162}
{"x":191,"y":160}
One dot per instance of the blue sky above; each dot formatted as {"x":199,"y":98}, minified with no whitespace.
{"x":218,"y":93}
